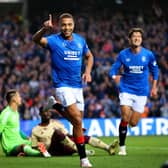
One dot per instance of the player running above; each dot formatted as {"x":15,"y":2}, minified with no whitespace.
{"x":136,"y":62}
{"x":68,"y":50}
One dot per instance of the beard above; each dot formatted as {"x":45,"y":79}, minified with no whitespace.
{"x":65,"y":36}
{"x":134,"y":46}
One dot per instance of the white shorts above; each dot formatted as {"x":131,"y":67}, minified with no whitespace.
{"x":68,"y":96}
{"x":136,"y":102}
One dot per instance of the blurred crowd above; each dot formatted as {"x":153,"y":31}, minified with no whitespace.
{"x":26,"y":66}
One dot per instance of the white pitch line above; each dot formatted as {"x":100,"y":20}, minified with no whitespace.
{"x":148,"y":148}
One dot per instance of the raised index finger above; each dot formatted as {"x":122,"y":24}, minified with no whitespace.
{"x":50,"y":18}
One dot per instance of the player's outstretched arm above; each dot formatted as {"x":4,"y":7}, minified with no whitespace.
{"x":38,"y":36}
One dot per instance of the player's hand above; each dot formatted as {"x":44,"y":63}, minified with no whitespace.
{"x":86,"y":77}
{"x":153,"y":92}
{"x":117,"y":79}
{"x":48,"y":24}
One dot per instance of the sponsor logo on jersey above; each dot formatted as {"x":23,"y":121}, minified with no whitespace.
{"x":136,"y":69}
{"x":71,"y":55}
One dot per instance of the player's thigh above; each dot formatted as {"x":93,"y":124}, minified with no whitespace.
{"x":78,"y":92}
{"x":73,"y":114}
{"x":139,"y":103}
{"x":138,"y":109}
{"x":126,"y":103}
{"x":69,"y":96}
{"x":65,"y":96}
{"x":72,"y":100}
{"x":61,"y":150}
{"x":57,"y":136}
{"x":126,"y":99}
{"x":126,"y":112}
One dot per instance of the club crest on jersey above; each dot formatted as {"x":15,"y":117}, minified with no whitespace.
{"x":143,"y":58}
{"x":127,"y":59}
{"x":79,"y":45}
{"x":64,"y":44}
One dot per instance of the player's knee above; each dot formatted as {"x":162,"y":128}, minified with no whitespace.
{"x":58,"y":135}
{"x":77,"y":120}
{"x":133,"y":123}
{"x":125,"y":118}
{"x":21,"y":148}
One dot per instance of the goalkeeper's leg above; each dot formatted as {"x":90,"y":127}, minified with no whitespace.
{"x":24,"y":149}
{"x":95,"y":142}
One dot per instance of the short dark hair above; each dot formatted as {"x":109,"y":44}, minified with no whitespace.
{"x":135,"y":29}
{"x":10,"y":94}
{"x":65,"y":15}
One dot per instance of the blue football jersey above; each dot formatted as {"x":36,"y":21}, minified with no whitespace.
{"x":135,"y":78}
{"x":66,"y":59}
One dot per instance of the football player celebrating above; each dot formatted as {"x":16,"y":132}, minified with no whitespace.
{"x":136,"y":62}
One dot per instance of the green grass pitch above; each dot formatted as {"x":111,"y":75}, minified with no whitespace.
{"x":143,"y":152}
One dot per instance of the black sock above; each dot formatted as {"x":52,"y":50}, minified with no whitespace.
{"x":58,"y":107}
{"x":81,"y":150}
{"x":122,"y":134}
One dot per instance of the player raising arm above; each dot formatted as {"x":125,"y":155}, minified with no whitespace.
{"x":67,"y":52}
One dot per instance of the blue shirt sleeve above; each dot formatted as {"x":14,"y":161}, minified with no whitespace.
{"x":116,"y":66}
{"x":85,"y":48}
{"x":49,"y":41}
{"x":153,"y":67}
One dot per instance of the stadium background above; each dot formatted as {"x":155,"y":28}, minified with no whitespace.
{"x":105,"y":24}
